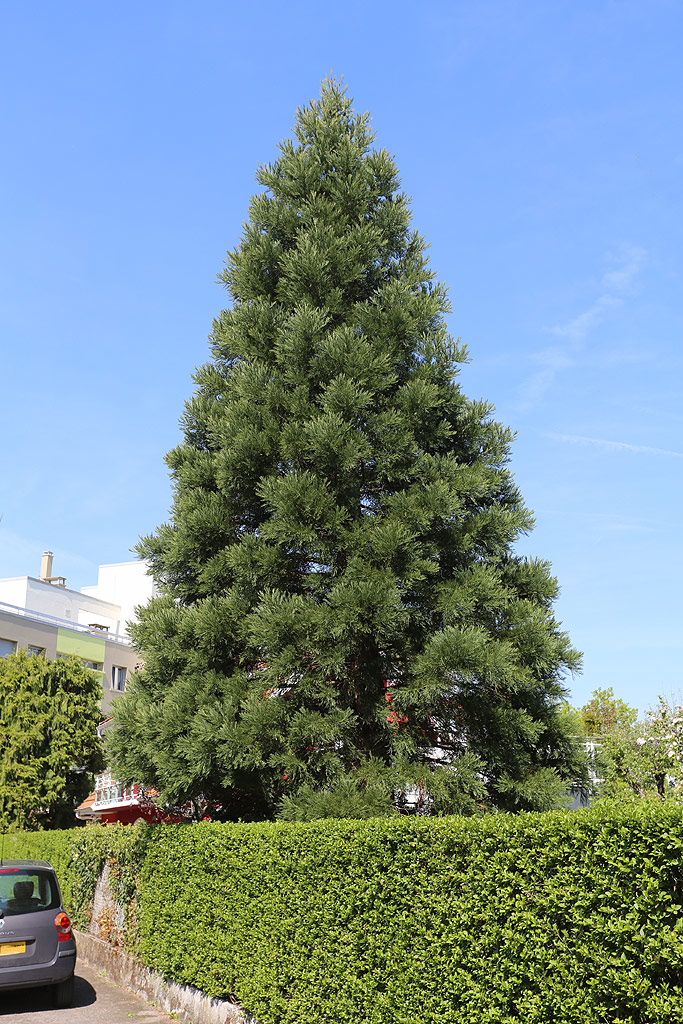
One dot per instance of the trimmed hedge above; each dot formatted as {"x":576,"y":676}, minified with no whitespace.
{"x":560,"y":918}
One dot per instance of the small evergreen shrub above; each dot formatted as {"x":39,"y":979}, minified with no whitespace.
{"x":558,"y":918}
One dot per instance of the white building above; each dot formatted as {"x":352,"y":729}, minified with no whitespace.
{"x":124,"y":585}
{"x":42,"y":615}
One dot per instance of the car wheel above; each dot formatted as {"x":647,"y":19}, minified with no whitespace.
{"x":63,"y":994}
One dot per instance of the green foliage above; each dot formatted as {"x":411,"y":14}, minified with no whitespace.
{"x":345,"y":800}
{"x":573,"y":721}
{"x":339,"y":585}
{"x":79,"y":856}
{"x":559,"y":918}
{"x":604,"y":714}
{"x":49,"y":747}
{"x":54,"y":846}
{"x":378,"y":789}
{"x":644,"y":760}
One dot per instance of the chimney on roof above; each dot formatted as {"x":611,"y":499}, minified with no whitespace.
{"x":46,"y":566}
{"x":46,"y":571}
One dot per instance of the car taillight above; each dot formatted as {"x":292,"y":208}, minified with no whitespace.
{"x":63,"y":926}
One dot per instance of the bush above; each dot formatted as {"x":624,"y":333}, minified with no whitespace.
{"x":552,"y":918}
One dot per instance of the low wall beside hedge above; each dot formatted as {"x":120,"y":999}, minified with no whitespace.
{"x":559,"y":918}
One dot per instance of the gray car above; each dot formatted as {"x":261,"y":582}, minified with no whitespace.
{"x":37,"y":945}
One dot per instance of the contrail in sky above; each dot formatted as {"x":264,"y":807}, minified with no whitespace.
{"x":615,"y":446}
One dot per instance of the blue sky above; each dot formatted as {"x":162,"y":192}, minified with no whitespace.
{"x":541,"y":144}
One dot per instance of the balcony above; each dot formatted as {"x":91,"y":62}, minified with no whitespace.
{"x":110,"y":794}
{"x":94,"y":629}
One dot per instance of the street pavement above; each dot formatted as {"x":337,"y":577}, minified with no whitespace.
{"x":96,"y":1001}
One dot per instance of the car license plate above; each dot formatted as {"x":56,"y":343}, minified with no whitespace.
{"x":12,"y":948}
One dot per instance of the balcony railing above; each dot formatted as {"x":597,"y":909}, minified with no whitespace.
{"x":53,"y":620}
{"x":109,"y":793}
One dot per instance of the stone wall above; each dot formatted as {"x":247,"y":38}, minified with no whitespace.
{"x":102,"y":947}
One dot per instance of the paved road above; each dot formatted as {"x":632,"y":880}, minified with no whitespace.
{"x":96,"y":1001}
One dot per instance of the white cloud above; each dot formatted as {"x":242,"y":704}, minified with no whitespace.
{"x":611,"y":522}
{"x":579,"y":326}
{"x":614,"y":286}
{"x":615,"y":446}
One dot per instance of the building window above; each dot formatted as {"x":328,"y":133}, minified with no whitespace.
{"x":7,"y":647}
{"x":96,"y":666}
{"x":36,"y":652}
{"x":118,"y":678}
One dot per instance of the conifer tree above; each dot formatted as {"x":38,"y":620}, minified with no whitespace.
{"x":344,"y":626}
{"x":49,"y":746}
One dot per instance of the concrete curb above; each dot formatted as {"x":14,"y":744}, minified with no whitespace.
{"x":188,"y":1004}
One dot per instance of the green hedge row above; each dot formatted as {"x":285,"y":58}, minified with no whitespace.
{"x":560,"y":918}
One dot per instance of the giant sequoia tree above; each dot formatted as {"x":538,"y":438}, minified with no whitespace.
{"x":344,"y":625}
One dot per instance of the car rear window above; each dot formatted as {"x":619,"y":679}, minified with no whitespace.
{"x":26,"y":890}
